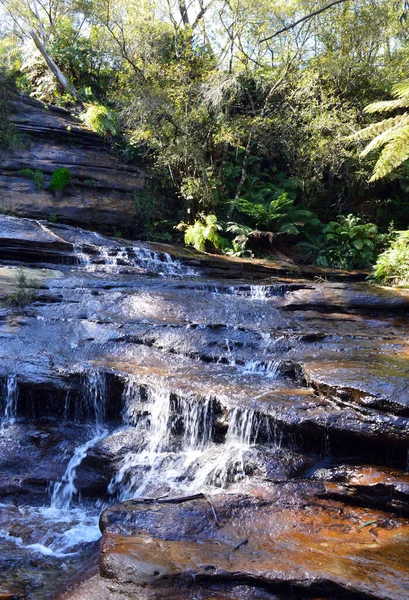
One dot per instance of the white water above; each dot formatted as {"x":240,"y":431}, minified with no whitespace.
{"x":54,"y":532}
{"x":65,"y":490}
{"x":111,"y":259}
{"x":94,"y":397}
{"x":9,"y":397}
{"x":83,"y":527}
{"x":167,"y":462}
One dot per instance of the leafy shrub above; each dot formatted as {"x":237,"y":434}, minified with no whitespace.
{"x":10,"y":138}
{"x":37,"y":176}
{"x":345,"y":244}
{"x":239,"y":242}
{"x":204,"y":230}
{"x":100,"y":119}
{"x":26,"y":291}
{"x":60,"y":179}
{"x":273,"y":209}
{"x":392,"y":266}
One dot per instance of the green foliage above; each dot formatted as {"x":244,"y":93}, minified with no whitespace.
{"x":26,"y":291}
{"x":37,"y":176}
{"x":273,"y":208}
{"x":391,"y":135}
{"x":345,"y":244}
{"x":100,"y":119}
{"x":203,"y":231}
{"x":53,"y":218}
{"x":239,"y":242}
{"x":60,"y":179}
{"x":10,"y":138}
{"x":392,"y":266}
{"x":237,"y":128}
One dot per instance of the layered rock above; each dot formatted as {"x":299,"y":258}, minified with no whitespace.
{"x":278,"y":542}
{"x":277,"y":398}
{"x":102,"y":190}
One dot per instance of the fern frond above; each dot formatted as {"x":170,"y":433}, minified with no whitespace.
{"x":387,"y":105}
{"x":401,"y":90}
{"x":385,"y":137}
{"x":394,"y":154}
{"x":377,"y":128}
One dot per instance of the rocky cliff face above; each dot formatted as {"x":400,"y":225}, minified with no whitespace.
{"x":102,"y":191}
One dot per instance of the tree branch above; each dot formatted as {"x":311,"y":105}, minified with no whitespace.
{"x":305,"y":18}
{"x":202,"y":12}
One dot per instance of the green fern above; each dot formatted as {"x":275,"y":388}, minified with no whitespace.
{"x":204,"y":229}
{"x":392,"y":266}
{"x":390,"y":135}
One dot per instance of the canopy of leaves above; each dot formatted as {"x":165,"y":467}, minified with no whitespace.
{"x":245,"y":110}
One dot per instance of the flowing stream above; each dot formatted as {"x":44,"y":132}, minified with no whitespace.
{"x":145,"y":378}
{"x":170,"y":438}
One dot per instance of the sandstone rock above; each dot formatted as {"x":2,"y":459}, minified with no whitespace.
{"x":281,"y":538}
{"x":101,"y":194}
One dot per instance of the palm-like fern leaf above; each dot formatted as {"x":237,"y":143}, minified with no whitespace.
{"x":387,"y":105}
{"x":377,"y":128}
{"x":386,"y":136}
{"x":392,"y":135}
{"x":395,"y":152}
{"x":401,"y":90}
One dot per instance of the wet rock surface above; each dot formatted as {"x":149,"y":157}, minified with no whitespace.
{"x":139,"y":370}
{"x":278,"y":537}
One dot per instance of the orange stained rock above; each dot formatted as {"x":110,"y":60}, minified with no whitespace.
{"x":356,"y":548}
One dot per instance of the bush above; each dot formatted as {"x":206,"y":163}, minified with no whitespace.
{"x":274,"y":209}
{"x":26,"y":291}
{"x":203,"y":231}
{"x":60,"y":179}
{"x":37,"y":176}
{"x":392,"y":266}
{"x":100,"y":119}
{"x":345,"y":244}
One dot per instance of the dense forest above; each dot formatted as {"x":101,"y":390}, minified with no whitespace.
{"x":271,"y":125}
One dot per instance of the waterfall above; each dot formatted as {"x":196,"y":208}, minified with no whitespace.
{"x":94,"y":402}
{"x":229,"y":465}
{"x":94,"y":396}
{"x":139,"y":468}
{"x":65,"y":489}
{"x":8,"y":399}
{"x":174,"y":447}
{"x":131,"y":402}
{"x":112,"y":258}
{"x":243,"y":425}
{"x":198,"y":423}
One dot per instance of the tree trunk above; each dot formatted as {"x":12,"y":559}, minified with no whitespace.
{"x":67,"y":85}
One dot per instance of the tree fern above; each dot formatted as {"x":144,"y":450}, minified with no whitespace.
{"x":386,"y":105}
{"x":386,"y":136}
{"x":392,"y":135}
{"x":394,"y":153}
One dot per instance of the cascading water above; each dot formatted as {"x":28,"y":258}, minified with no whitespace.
{"x":65,"y":490}
{"x":175,"y":437}
{"x":9,"y":397}
{"x":94,"y":400}
{"x":94,"y":397}
{"x":177,"y":452}
{"x":111,"y":259}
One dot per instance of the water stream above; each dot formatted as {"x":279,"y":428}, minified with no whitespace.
{"x":8,"y":400}
{"x":164,"y":382}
